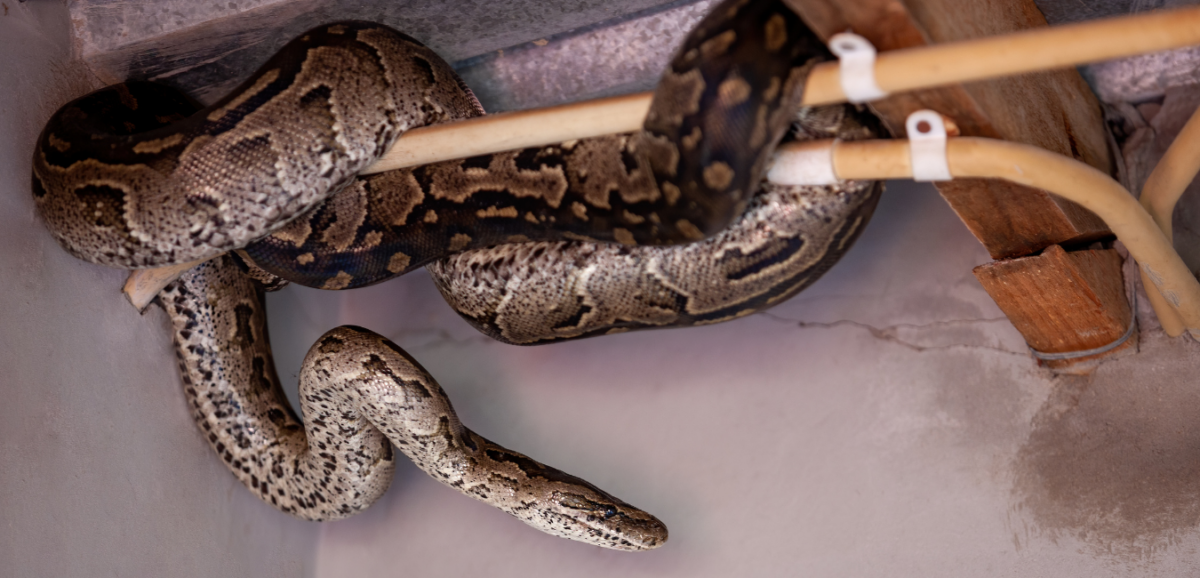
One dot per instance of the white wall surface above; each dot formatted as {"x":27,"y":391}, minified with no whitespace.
{"x":886,"y":422}
{"x":102,"y":472}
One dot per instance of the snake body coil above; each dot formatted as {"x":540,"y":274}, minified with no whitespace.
{"x":359,"y":394}
{"x":571,"y":240}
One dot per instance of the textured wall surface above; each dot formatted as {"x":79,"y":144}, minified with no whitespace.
{"x":206,"y":56}
{"x":463,"y":25}
{"x":1064,"y":11}
{"x":888,"y":421}
{"x":102,"y":472}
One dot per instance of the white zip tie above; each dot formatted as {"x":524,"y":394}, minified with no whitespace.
{"x":856,"y":58}
{"x":927,"y":146}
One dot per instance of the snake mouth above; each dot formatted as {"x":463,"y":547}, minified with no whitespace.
{"x":626,"y":533}
{"x":608,"y":522}
{"x":643,"y":533}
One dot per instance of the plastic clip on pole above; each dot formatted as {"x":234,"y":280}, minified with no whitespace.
{"x":927,"y":146}
{"x":856,"y":67}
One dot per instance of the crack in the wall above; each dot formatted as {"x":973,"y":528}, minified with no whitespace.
{"x":890,"y":333}
{"x":440,"y":338}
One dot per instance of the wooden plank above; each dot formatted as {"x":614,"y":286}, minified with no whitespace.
{"x":1085,"y":309}
{"x":1053,"y":110}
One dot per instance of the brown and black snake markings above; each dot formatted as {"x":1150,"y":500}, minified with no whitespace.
{"x":670,"y":226}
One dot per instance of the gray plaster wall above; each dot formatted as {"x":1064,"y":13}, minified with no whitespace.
{"x":888,"y":421}
{"x":102,"y":472}
{"x":473,"y":26}
{"x":1067,"y":11}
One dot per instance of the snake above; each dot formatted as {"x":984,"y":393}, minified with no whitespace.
{"x":669,"y":226}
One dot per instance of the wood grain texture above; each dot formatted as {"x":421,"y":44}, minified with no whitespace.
{"x":1053,"y":110}
{"x":1084,"y":308}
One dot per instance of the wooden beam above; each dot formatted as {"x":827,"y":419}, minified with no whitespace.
{"x":1086,"y":309}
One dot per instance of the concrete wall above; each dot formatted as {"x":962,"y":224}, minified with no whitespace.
{"x":888,"y":421}
{"x":102,"y":472}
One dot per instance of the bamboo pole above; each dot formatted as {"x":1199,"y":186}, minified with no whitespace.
{"x":144,"y":284}
{"x":925,"y":67}
{"x":986,"y":158}
{"x":1018,"y":53}
{"x":895,"y":71}
{"x":1038,"y":168}
{"x":1166,"y":184}
{"x":508,"y":131}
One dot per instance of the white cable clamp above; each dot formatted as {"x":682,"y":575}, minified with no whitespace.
{"x":927,"y":146}
{"x":856,"y":58}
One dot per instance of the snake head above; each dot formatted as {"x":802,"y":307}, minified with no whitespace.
{"x":588,"y":514}
{"x":560,"y":504}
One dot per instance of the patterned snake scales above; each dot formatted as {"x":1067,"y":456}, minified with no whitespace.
{"x":577,"y":239}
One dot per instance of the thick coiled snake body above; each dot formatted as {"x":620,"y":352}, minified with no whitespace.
{"x":359,"y":394}
{"x":571,"y":240}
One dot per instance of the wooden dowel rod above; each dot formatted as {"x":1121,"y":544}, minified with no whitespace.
{"x":1038,"y":168}
{"x":899,"y":70}
{"x":1171,"y":177}
{"x":1018,"y":53}
{"x":889,"y":159}
{"x":1174,"y":172}
{"x":508,"y":131}
{"x":1097,"y":192}
{"x":1022,"y":164}
{"x":144,"y":284}
{"x":896,"y":71}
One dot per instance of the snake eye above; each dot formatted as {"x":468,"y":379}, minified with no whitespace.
{"x":574,"y":502}
{"x":596,"y":509}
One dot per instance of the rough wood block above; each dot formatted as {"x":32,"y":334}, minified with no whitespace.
{"x":1054,"y":110}
{"x":1062,"y":302}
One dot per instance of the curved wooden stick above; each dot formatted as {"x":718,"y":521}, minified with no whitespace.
{"x":1171,"y":177}
{"x":1054,"y":173}
{"x":1026,"y":165}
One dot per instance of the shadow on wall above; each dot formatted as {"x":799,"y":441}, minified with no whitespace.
{"x":1114,"y":458}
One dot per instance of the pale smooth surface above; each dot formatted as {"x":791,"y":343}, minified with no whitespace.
{"x":102,"y":472}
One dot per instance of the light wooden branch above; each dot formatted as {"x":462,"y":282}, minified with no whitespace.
{"x":143,"y":285}
{"x":1166,"y":184}
{"x":896,"y":71}
{"x":508,"y":131}
{"x":1071,"y":179}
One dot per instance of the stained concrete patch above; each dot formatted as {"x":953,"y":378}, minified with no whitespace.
{"x":1114,"y":458}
